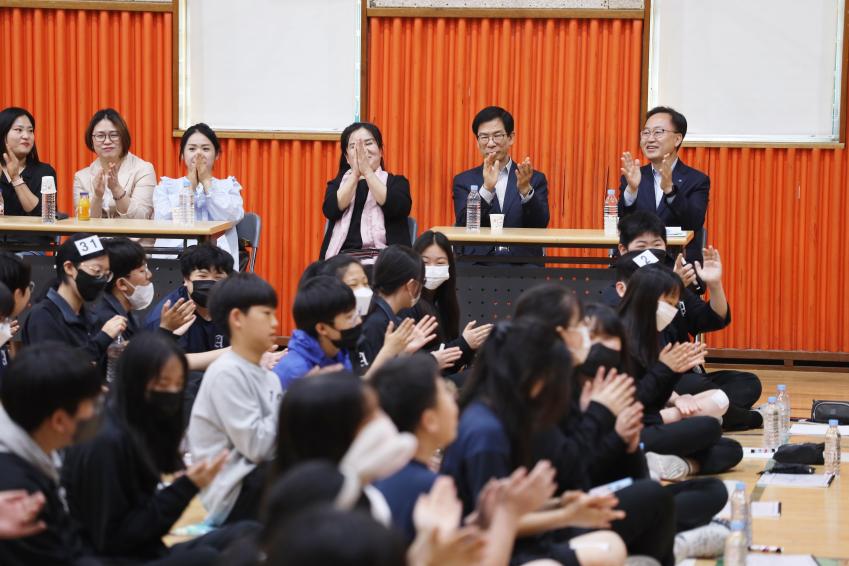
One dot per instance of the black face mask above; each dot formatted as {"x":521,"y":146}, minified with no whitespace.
{"x":88,"y":428}
{"x":164,"y":404}
{"x":350,"y":337}
{"x":89,"y":286}
{"x":600,"y":356}
{"x":201,"y":290}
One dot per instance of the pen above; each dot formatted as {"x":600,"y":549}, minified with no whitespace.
{"x":766,"y":548}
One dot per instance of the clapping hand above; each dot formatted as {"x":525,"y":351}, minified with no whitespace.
{"x":629,"y":425}
{"x":111,"y":173}
{"x":631,"y":171}
{"x":491,"y":168}
{"x":98,"y":184}
{"x":711,"y":270}
{"x":447,"y":357}
{"x":423,"y":332}
{"x":683,"y":356}
{"x":666,"y":173}
{"x":19,"y":514}
{"x":362,"y":159}
{"x":524,"y":171}
{"x":476,"y":336}
{"x":685,"y":270}
{"x":590,"y":511}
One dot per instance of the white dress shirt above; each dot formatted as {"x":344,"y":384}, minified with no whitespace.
{"x":658,"y":192}
{"x":501,"y":188}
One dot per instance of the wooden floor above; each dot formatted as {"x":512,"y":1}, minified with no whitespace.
{"x":813,"y":521}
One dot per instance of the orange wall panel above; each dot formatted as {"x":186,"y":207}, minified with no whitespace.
{"x":777,"y":215}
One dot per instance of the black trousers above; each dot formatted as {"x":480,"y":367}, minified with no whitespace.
{"x":649,"y":524}
{"x":247,"y":504}
{"x":697,"y":501}
{"x":697,"y":438}
{"x":743,"y":390}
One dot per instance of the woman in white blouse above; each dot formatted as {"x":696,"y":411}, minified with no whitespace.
{"x":215,"y":199}
{"x":118,"y":183}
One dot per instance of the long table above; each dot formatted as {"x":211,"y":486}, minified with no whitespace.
{"x":487,"y":293}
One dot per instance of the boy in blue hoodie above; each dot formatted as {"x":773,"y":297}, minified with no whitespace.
{"x":329,"y":326}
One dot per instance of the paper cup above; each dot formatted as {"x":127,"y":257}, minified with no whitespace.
{"x":496,"y":221}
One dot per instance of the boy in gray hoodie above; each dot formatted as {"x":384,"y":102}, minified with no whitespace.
{"x":238,"y":402}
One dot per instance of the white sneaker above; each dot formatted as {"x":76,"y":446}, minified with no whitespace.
{"x":702,"y":542}
{"x":639,"y":560}
{"x":667,"y":467}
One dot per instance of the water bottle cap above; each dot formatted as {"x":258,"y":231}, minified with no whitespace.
{"x":833,"y":422}
{"x":737,"y":526}
{"x":782,"y":387}
{"x":741,"y":485}
{"x":771,"y":400}
{"x":610,"y":192}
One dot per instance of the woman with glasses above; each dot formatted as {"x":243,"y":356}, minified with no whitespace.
{"x":82,"y":272}
{"x":366,"y":207}
{"x":118,"y":183}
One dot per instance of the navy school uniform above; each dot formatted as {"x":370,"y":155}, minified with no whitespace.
{"x":107,"y":306}
{"x":401,"y":490}
{"x":202,"y":336}
{"x":52,"y":318}
{"x":374,"y":329}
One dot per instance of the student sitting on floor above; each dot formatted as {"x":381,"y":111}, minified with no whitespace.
{"x":643,"y":231}
{"x":82,"y":272}
{"x":647,"y":308}
{"x":131,"y":289}
{"x":112,"y":481}
{"x":238,"y":401}
{"x":15,"y":275}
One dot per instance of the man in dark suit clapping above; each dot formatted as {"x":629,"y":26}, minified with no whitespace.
{"x":678,"y":194}
{"x":506,"y":187}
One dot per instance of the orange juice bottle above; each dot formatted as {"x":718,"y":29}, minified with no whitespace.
{"x":84,"y":207}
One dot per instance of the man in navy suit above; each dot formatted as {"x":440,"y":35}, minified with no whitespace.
{"x":512,"y":189}
{"x":678,"y":194}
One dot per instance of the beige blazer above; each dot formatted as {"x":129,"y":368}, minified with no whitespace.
{"x":136,"y":176}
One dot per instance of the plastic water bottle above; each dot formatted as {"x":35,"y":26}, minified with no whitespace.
{"x":741,"y":510}
{"x":473,"y":210}
{"x":113,"y":353}
{"x":736,"y":546}
{"x":185,"y":212}
{"x":611,"y":214}
{"x":772,"y":424}
{"x":2,"y":205}
{"x":48,"y":200}
{"x":783,"y":401}
{"x":832,"y":448}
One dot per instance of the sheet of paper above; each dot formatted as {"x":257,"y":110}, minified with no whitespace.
{"x":780,"y":560}
{"x":815,"y":429}
{"x":795,"y":480}
{"x":760,"y":510}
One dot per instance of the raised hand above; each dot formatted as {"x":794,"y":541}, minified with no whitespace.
{"x":491,"y":168}
{"x":616,"y":392}
{"x":98,"y":184}
{"x":362,"y":159}
{"x":112,"y":178}
{"x":666,"y":173}
{"x":173,"y":317}
{"x":192,"y":173}
{"x":683,"y":356}
{"x":631,"y":171}
{"x":203,"y":171}
{"x":440,"y":509}
{"x":476,"y":336}
{"x":13,"y":166}
{"x":524,"y":171}
{"x":685,"y":270}
{"x":202,"y":473}
{"x":396,"y":340}
{"x":711,"y":270}
{"x":423,"y":333}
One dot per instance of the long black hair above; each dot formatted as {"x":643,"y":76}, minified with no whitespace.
{"x":319,"y":419}
{"x":142,"y":361}
{"x":523,"y":373}
{"x":395,"y":266}
{"x":638,"y":310}
{"x":442,"y":302}
{"x":346,"y":135}
{"x":7,"y":120}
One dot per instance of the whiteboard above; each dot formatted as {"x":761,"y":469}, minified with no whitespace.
{"x":270,"y":65}
{"x":749,"y":70}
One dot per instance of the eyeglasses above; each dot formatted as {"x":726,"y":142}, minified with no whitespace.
{"x":101,"y":136}
{"x":366,"y":143}
{"x":95,"y":272}
{"x":656,"y":133}
{"x":497,"y":138}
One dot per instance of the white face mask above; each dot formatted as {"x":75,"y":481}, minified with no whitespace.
{"x":378,"y":451}
{"x":435,"y":275}
{"x":5,"y":332}
{"x":581,"y":355}
{"x":414,"y":300}
{"x":363,"y":296}
{"x":141,"y":297}
{"x":665,"y":314}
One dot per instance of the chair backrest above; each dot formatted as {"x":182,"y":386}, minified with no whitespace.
{"x":248,"y":229}
{"x":413,"y":227}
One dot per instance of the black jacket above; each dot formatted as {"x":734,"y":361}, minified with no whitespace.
{"x":32,"y":176}
{"x":396,"y":210}
{"x":60,"y":544}
{"x":112,"y":492}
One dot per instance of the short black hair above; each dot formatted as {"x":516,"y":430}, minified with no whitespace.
{"x":7,"y":301}
{"x":205,"y":256}
{"x":44,"y":378}
{"x":626,"y":266}
{"x":239,"y":291}
{"x":406,"y":388}
{"x":15,"y":273}
{"x":640,"y":222}
{"x":120,"y":126}
{"x":7,"y":120}
{"x":321,"y":299}
{"x":125,"y":256}
{"x":491,"y":113}
{"x":395,"y":266}
{"x":200,"y":128}
{"x":68,"y":252}
{"x":678,"y":119}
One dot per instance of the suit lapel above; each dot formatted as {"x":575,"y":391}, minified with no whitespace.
{"x":646,"y":192}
